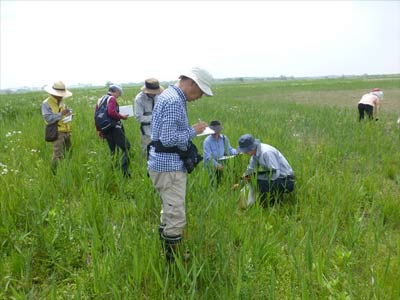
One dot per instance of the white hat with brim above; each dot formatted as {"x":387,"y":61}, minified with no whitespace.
{"x":58,"y":89}
{"x":202,"y":78}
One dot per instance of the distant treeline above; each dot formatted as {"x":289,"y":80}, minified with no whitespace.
{"x":217,"y":80}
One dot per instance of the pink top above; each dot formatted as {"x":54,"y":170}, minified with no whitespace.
{"x":369,"y":99}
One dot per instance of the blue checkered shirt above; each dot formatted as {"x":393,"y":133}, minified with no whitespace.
{"x":171,"y":128}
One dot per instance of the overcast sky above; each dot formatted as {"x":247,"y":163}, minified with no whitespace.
{"x":128,"y":41}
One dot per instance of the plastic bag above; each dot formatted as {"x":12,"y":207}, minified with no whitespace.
{"x":247,"y":196}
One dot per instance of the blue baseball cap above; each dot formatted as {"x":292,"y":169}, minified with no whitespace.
{"x":247,"y":143}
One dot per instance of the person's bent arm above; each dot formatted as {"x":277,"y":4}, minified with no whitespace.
{"x":140,"y":115}
{"x":208,"y":154}
{"x":48,"y":114}
{"x":250,"y":167}
{"x":112,"y":109}
{"x":376,"y":108}
{"x":232,"y":151}
{"x":171,"y":135}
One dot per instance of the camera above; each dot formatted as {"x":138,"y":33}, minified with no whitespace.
{"x":190,"y":163}
{"x":191,"y":157}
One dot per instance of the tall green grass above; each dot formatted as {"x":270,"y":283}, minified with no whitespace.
{"x":87,"y":233}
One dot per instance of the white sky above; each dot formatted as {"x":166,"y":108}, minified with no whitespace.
{"x":128,"y":41}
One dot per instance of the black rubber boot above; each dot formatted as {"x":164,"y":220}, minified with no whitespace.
{"x":171,"y":244}
{"x":160,"y":230}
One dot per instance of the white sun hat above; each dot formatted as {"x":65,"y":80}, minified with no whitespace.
{"x":202,"y":78}
{"x":58,"y":89}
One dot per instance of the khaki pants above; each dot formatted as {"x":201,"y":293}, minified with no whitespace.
{"x":171,"y":187}
{"x":61,"y":144}
{"x":145,"y":141}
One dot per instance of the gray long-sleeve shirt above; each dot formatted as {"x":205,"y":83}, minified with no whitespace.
{"x":271,"y":161}
{"x":48,"y":114}
{"x":143,"y":110}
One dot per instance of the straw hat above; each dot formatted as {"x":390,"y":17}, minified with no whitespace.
{"x":58,"y":89}
{"x":202,"y":78}
{"x":152,"y":86}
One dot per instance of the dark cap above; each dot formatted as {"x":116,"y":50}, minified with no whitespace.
{"x":216,"y":126}
{"x":247,"y":143}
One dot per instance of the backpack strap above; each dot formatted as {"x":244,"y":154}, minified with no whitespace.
{"x":225,"y":147}
{"x":104,"y":100}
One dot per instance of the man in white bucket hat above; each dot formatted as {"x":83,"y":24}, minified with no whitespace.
{"x":170,"y":134}
{"x":55,"y":110}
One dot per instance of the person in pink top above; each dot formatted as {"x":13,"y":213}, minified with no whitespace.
{"x":369,"y":104}
{"x":116,"y":135}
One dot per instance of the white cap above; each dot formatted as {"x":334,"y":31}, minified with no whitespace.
{"x":202,"y":78}
{"x":115,"y":87}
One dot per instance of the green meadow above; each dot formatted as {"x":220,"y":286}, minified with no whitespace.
{"x":88,"y":233}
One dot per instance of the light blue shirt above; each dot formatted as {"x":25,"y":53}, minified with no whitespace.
{"x":269,"y":159}
{"x":215,"y":148}
{"x":170,"y":126}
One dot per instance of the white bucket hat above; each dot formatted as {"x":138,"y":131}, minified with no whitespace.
{"x":202,"y":78}
{"x":58,"y":89}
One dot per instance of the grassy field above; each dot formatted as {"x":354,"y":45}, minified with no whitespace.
{"x":87,"y":233}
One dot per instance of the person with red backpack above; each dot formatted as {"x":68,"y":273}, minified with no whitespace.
{"x":109,"y":126}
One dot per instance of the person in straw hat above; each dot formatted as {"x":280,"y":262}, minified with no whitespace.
{"x":274,"y":174}
{"x":55,"y":110}
{"x":171,"y":130}
{"x":144,"y":104}
{"x":216,"y":146}
{"x":369,"y":104}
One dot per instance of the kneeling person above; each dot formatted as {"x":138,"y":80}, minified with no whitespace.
{"x":276,"y":176}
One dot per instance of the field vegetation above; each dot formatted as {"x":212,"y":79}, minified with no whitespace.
{"x":88,"y":233}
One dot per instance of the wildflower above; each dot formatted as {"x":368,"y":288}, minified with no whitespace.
{"x":5,"y":170}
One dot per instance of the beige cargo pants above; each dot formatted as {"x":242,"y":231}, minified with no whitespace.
{"x":171,"y":187}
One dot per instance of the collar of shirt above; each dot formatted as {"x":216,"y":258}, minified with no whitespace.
{"x":180,"y":93}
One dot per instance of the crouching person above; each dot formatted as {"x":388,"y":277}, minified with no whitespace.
{"x":274,"y":174}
